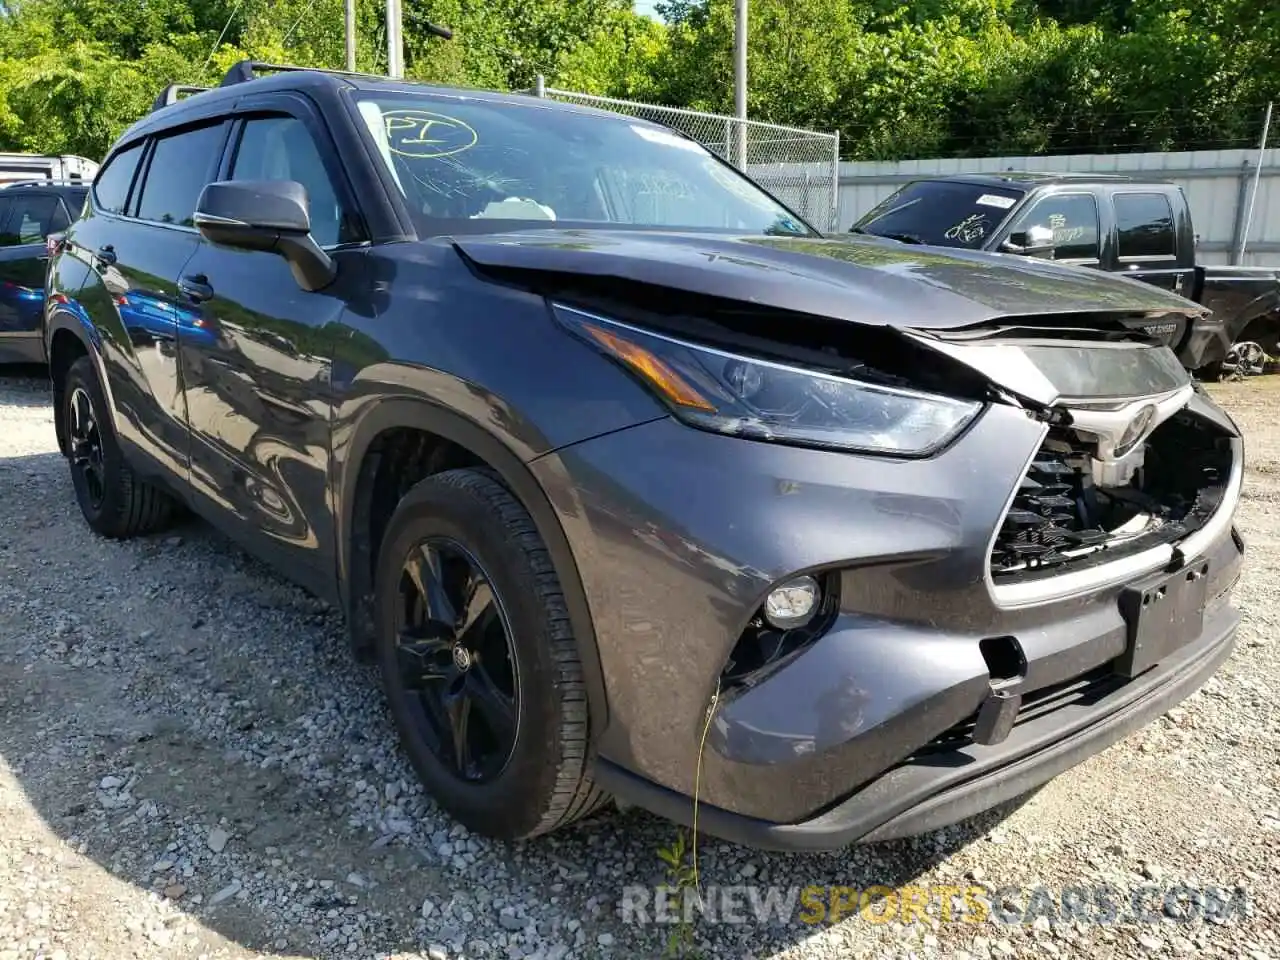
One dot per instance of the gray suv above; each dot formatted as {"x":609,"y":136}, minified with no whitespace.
{"x":631,"y":482}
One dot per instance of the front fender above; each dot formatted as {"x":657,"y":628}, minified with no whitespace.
{"x":357,"y":426}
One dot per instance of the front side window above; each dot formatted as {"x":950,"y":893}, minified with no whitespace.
{"x":30,"y":220}
{"x":281,"y":148}
{"x":181,"y":165}
{"x":459,"y":162}
{"x":941,"y":213}
{"x":1144,"y":225}
{"x":111,"y":189}
{"x":1073,"y":218}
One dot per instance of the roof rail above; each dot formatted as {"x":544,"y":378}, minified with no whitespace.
{"x":172,"y":93}
{"x":36,"y":182}
{"x":246,"y":70}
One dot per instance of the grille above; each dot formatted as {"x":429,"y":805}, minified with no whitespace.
{"x":1060,"y":516}
{"x":1050,"y":512}
{"x":1085,"y":689}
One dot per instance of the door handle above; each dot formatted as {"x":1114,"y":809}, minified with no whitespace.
{"x":106,"y":255}
{"x":196,"y":288}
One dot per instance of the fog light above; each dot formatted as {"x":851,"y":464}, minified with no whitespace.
{"x":792,"y":604}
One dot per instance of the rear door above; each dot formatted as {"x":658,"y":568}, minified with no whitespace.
{"x":1146,"y":238}
{"x":138,"y":240}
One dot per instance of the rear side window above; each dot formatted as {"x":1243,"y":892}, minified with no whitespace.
{"x":31,"y":219}
{"x":111,"y":191}
{"x":1144,"y":223}
{"x":181,"y":165}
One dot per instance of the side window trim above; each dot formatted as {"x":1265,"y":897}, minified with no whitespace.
{"x":139,"y":178}
{"x":1173,"y":229}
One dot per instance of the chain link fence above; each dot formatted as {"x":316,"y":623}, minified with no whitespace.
{"x":799,"y":167}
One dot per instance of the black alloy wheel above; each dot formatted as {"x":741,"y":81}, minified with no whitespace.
{"x":479,"y":660}
{"x":455,"y":654}
{"x":84,"y":439}
{"x":113,"y":501}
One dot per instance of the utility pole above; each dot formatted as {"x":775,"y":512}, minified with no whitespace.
{"x":395,"y":41}
{"x":349,"y":12}
{"x":740,"y":81}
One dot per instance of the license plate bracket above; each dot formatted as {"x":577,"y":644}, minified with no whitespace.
{"x":1162,"y":614}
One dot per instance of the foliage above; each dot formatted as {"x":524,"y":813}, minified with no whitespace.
{"x":897,"y":78}
{"x":682,"y":883}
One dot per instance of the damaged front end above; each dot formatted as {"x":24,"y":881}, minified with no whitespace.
{"x":1133,"y":460}
{"x":1082,"y":505}
{"x":1136,"y":469}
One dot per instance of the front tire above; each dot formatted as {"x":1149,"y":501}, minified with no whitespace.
{"x":479,"y":662}
{"x":114,"y":502}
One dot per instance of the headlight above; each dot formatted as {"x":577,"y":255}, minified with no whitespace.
{"x":761,"y":400}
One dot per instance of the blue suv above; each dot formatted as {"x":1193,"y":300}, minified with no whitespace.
{"x":30,"y":214}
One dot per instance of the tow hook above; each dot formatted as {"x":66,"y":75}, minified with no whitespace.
{"x":998,"y":712}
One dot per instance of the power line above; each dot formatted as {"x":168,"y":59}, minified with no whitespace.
{"x":289,"y":34}
{"x":225,"y":27}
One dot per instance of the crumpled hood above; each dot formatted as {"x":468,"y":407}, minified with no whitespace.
{"x":867,"y":280}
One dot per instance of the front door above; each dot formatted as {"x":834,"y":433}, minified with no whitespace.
{"x":1073,"y":219}
{"x":257,"y":364}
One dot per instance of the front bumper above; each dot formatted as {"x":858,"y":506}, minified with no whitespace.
{"x":935,"y":791}
{"x":680,"y":534}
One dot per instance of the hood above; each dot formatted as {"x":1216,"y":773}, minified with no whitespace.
{"x":861,"y":280}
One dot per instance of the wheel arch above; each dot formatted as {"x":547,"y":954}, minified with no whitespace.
{"x":66,"y":340}
{"x":354,"y":484}
{"x":1265,"y":307}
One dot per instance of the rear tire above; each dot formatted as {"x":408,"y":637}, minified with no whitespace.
{"x":114,"y":502}
{"x":476,"y":537}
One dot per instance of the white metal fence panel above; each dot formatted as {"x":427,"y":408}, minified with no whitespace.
{"x":1218,"y":185}
{"x":799,"y":167}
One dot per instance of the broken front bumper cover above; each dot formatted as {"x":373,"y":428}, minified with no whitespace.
{"x":937,"y":790}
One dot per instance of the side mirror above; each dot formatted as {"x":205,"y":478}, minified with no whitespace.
{"x":1032,"y":242}
{"x":269,"y":216}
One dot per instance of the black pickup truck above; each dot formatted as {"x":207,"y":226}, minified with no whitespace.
{"x":1141,"y":228}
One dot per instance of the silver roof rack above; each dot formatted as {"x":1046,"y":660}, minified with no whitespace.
{"x":173,"y":93}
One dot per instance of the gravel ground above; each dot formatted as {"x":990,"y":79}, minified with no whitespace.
{"x":191,"y":766}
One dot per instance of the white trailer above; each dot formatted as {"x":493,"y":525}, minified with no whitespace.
{"x":17,"y":167}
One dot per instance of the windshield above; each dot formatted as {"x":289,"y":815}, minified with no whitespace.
{"x":941,"y":213}
{"x":460,"y":161}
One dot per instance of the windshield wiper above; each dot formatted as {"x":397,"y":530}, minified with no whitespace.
{"x":900,"y":237}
